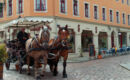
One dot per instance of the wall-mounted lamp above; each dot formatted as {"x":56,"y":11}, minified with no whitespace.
{"x":109,"y":27}
{"x":78,"y":28}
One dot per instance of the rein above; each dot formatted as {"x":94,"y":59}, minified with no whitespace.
{"x":37,"y":43}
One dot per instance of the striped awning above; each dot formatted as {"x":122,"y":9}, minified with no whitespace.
{"x":1,"y":1}
{"x":27,"y":22}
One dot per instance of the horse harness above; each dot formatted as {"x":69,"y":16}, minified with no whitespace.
{"x":31,"y":48}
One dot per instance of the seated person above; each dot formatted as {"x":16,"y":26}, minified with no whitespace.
{"x":22,"y":37}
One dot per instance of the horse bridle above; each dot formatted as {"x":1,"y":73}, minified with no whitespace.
{"x":45,"y":35}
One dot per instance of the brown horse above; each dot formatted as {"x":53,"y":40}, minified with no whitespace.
{"x":37,"y":48}
{"x":58,"y":48}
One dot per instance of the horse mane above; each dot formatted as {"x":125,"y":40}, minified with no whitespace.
{"x":40,"y":34}
{"x":63,"y":28}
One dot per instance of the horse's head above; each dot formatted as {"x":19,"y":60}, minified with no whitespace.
{"x":44,"y":35}
{"x":63,"y":35}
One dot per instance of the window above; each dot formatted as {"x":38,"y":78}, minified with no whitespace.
{"x":111,"y":16}
{"x":71,"y":41}
{"x":103,"y":14}
{"x":123,"y":17}
{"x":128,"y":19}
{"x":20,"y":6}
{"x":41,"y":5}
{"x":117,"y":17}
{"x":1,"y":10}
{"x":9,"y":7}
{"x":75,"y":7}
{"x":63,"y":6}
{"x":86,"y":10}
{"x":127,"y":2}
{"x":95,"y":12}
{"x":122,"y":1}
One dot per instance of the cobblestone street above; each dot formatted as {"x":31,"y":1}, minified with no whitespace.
{"x":103,"y":69}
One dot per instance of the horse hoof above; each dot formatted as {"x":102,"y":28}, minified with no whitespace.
{"x":65,"y":76}
{"x":29,"y":73}
{"x":54,"y":74}
{"x":42,"y":75}
{"x":20,"y":71}
{"x":38,"y":78}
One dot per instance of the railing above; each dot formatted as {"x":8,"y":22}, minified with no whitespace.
{"x":113,"y":52}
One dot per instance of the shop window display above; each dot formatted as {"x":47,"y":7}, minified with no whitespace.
{"x":72,"y":41}
{"x":103,"y":43}
{"x":87,"y":38}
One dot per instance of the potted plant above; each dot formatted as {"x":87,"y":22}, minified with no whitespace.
{"x":3,"y":57}
{"x":99,"y":55}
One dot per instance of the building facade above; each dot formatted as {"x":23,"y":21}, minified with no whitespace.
{"x":103,"y":23}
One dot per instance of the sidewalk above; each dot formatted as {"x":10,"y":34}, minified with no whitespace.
{"x":73,"y":58}
{"x":126,"y":65}
{"x":76,"y":58}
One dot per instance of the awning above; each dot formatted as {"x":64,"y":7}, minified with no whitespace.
{"x":1,"y":30}
{"x":27,"y":22}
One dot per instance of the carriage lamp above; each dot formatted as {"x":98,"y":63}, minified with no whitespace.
{"x":68,"y":37}
{"x":119,"y":33}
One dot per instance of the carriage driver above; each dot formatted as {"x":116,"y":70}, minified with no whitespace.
{"x":22,"y":36}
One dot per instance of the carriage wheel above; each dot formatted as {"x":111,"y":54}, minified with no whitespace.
{"x":7,"y":64}
{"x":20,"y":68}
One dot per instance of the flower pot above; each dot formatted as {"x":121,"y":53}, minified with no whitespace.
{"x":17,"y":67}
{"x":99,"y":56}
{"x":1,"y":71}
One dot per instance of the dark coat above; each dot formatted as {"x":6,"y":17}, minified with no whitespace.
{"x":22,"y":36}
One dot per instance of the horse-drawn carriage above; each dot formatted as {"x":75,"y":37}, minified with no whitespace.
{"x":41,"y":48}
{"x":16,"y":54}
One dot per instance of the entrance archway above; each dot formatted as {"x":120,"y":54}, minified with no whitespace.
{"x":112,"y":39}
{"x":87,"y":38}
{"x":122,"y":36}
{"x":103,"y":40}
{"x":72,"y":41}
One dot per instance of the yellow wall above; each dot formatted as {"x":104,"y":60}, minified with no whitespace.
{"x":53,"y":10}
